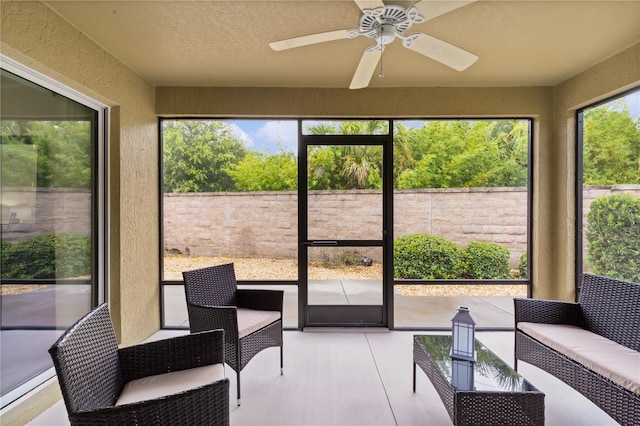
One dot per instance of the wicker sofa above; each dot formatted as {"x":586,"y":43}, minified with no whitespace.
{"x":592,"y":345}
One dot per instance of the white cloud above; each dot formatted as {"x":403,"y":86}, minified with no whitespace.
{"x":278,"y":134}
{"x":241,"y":135}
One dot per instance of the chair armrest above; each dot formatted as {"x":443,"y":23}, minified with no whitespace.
{"x":264,"y":300}
{"x":547,"y":311}
{"x":174,"y":354}
{"x":204,"y":318}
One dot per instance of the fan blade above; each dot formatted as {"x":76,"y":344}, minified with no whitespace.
{"x":369,"y":4}
{"x":441,"y":51}
{"x":430,"y":9}
{"x":365,"y":69}
{"x":309,"y":39}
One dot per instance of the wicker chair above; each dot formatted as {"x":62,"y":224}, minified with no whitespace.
{"x":104,"y":384}
{"x":251,"y":319}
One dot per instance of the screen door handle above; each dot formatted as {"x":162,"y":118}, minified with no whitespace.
{"x":324,"y":243}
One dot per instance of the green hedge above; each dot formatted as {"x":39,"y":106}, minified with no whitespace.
{"x":523,"y":270}
{"x":424,"y":256}
{"x":5,"y":246}
{"x":486,"y":261}
{"x":47,"y":256}
{"x":613,"y":237}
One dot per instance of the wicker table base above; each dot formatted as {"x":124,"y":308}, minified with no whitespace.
{"x":499,"y":395}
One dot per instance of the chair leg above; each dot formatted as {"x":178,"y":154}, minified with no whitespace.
{"x":281,"y":361}
{"x":238,"y":377}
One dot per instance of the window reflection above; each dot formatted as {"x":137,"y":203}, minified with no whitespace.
{"x":48,"y":159}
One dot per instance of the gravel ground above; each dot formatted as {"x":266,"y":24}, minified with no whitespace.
{"x":287,"y":269}
{"x":265,"y":269}
{"x":13,"y":289}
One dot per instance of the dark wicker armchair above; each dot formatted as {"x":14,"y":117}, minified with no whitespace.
{"x":251,"y":319}
{"x":102,"y":384}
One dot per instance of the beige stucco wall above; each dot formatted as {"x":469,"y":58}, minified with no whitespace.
{"x":37,"y":37}
{"x":387,"y":102}
{"x":611,"y":77}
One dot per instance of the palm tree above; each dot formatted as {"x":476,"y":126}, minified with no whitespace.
{"x":360,"y":165}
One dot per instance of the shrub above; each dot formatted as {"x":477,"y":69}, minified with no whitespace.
{"x":613,"y":237}
{"x":522,"y":267}
{"x":5,"y":246}
{"x":338,"y":259}
{"x":424,"y":256}
{"x":486,"y":261}
{"x":48,"y":256}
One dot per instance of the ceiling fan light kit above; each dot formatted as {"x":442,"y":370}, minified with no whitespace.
{"x":384,"y":24}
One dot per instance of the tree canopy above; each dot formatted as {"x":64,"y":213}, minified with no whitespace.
{"x":199,"y":155}
{"x":58,"y":152}
{"x":204,"y":156}
{"x":346,"y":166}
{"x":259,"y":171}
{"x":207,"y":156}
{"x":611,"y":148}
{"x":461,"y":154}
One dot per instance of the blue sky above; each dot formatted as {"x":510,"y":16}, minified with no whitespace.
{"x":272,"y":135}
{"x":633,"y":102}
{"x":267,"y":136}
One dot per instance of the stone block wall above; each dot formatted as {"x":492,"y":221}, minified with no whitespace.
{"x":26,"y":213}
{"x":497,"y":215}
{"x":237,"y":224}
{"x":265,"y":224}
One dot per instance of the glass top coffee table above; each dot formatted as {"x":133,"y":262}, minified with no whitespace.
{"x":492,"y":394}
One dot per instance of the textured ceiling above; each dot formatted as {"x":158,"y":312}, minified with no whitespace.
{"x":226,"y":43}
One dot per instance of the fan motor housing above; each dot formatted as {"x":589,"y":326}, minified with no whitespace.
{"x":382,"y":22}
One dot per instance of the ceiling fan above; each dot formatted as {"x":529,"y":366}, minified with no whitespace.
{"x":386,"y":23}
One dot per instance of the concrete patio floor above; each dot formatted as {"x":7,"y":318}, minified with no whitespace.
{"x":357,"y":376}
{"x":27,"y":332}
{"x":354,"y":377}
{"x":414,"y":312}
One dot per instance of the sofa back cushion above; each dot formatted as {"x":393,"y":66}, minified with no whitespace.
{"x":611,"y":309}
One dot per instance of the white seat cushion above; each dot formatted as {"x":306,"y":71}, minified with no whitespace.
{"x":160,"y":385}
{"x":612,"y":360}
{"x":250,"y":320}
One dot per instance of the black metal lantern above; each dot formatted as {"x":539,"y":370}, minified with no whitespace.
{"x":463,"y":335}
